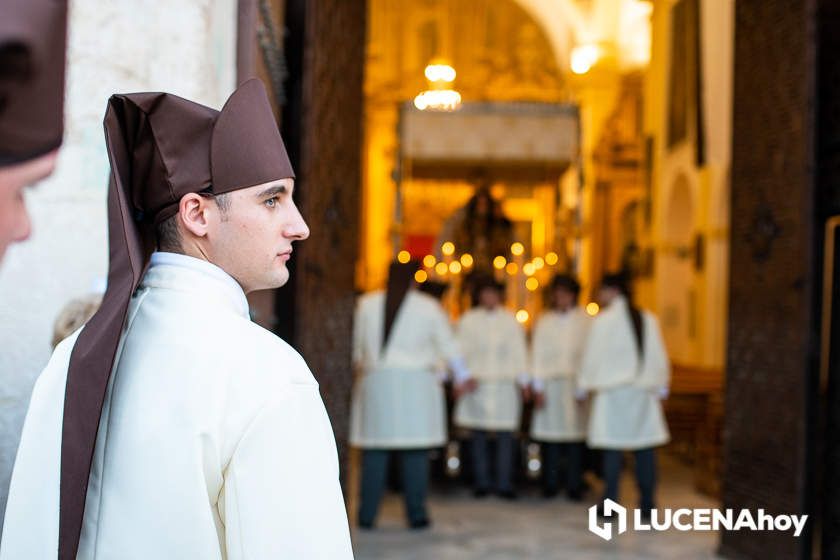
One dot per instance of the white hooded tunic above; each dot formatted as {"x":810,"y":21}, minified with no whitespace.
{"x":398,"y":400}
{"x":496,"y":354}
{"x":556,"y":352}
{"x":626,"y":410}
{"x":213,"y":441}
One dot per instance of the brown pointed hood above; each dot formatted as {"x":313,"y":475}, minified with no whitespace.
{"x":161,"y":147}
{"x":32,"y":60}
{"x":400,"y":280}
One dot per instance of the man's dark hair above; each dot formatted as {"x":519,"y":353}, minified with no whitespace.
{"x":434,"y":288}
{"x":167,"y":235}
{"x":566,"y":282}
{"x":479,"y":282}
{"x":621,"y":282}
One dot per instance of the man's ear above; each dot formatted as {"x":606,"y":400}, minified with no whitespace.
{"x":193,"y":214}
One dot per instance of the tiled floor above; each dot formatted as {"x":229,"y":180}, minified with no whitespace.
{"x":533,"y":527}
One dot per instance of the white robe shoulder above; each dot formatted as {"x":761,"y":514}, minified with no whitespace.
{"x":213,"y":443}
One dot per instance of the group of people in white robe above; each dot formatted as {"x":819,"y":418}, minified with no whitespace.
{"x":594,"y":381}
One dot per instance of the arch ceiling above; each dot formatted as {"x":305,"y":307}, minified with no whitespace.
{"x":623,"y":25}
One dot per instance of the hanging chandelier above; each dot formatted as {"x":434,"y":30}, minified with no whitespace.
{"x":440,"y":96}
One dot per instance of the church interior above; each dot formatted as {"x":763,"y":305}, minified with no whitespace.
{"x":596,"y":135}
{"x":675,"y":140}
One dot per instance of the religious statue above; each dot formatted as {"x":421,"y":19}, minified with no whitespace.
{"x":481,"y":229}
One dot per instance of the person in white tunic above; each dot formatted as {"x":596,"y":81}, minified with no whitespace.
{"x":495,"y":350}
{"x":559,"y":416}
{"x":626,"y":367}
{"x":400,"y":336}
{"x":210,"y":440}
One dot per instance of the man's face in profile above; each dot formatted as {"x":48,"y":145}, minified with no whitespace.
{"x":14,"y":179}
{"x":252,"y":241}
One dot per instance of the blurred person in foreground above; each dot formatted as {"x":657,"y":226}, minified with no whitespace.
{"x":626,"y":368}
{"x":490,"y":403}
{"x":171,"y":425}
{"x":400,"y":336}
{"x":32,"y":62}
{"x":559,"y":420}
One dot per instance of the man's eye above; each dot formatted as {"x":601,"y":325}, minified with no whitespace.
{"x":271,"y":202}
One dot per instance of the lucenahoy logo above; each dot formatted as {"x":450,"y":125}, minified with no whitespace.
{"x":685,"y":519}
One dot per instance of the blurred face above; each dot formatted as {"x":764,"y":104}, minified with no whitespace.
{"x":252,"y":239}
{"x":489,"y":298}
{"x":14,"y":179}
{"x":606,"y":295}
{"x":564,"y":299}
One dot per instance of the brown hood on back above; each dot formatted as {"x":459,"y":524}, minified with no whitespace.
{"x":400,"y":279}
{"x":161,"y":147}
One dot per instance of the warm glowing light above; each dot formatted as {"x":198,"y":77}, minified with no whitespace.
{"x":440,"y":73}
{"x":438,"y":100}
{"x":403,"y":256}
{"x":467,"y":260}
{"x":429,"y":261}
{"x":447,"y":248}
{"x":592,"y":308}
{"x":517,"y":248}
{"x":532,"y":284}
{"x":522,"y":316}
{"x":634,"y":33}
{"x":539,"y":263}
{"x":584,"y":58}
{"x":499,"y":262}
{"x":512,"y":268}
{"x":420,"y":276}
{"x":529,"y":269}
{"x":551,"y":258}
{"x":440,"y":96}
{"x":441,"y":268}
{"x":455,"y":267}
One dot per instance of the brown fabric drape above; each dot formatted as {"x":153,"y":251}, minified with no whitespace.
{"x":400,"y":279}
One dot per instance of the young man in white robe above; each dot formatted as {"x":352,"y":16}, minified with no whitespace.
{"x":559,"y":416}
{"x":209,"y":439}
{"x":32,"y":61}
{"x":626,"y":367}
{"x":495,"y":350}
{"x":400,"y":337}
